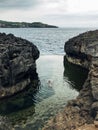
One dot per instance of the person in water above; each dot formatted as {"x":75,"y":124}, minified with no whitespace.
{"x":49,"y":83}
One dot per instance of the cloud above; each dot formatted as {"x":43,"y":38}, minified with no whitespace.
{"x":73,"y":20}
{"x":55,"y":6}
{"x":57,"y":12}
{"x":17,"y":4}
{"x":82,"y":6}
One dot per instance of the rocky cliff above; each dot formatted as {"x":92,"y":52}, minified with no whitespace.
{"x":17,"y":64}
{"x":81,"y":50}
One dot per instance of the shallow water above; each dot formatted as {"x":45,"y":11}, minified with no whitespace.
{"x":48,"y":40}
{"x":59,"y":80}
{"x":31,"y":111}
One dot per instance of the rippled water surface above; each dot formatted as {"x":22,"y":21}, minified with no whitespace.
{"x":49,"y":41}
{"x":31,"y":109}
{"x":59,"y":82}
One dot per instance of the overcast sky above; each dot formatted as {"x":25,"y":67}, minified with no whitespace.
{"x":63,"y":13}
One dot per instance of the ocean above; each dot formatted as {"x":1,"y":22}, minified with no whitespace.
{"x":48,"y":40}
{"x":31,"y":112}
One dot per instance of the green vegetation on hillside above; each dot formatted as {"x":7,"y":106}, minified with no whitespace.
{"x":6,"y":24}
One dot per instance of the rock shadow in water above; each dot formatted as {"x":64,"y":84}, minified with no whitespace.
{"x":75,"y":74}
{"x":22,"y":105}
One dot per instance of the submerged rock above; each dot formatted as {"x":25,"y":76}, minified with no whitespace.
{"x":17,"y":64}
{"x":76,"y":113}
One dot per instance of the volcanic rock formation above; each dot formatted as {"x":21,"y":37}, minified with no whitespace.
{"x":17,"y":64}
{"x":81,"y":50}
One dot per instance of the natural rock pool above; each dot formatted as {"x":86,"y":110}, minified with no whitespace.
{"x":59,"y":82}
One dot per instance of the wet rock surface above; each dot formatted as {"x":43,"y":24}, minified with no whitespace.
{"x":88,"y":127}
{"x":83,"y":51}
{"x":17,"y":64}
{"x":76,"y":114}
{"x":5,"y":124}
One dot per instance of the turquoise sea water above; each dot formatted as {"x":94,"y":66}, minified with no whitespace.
{"x":30,"y":110}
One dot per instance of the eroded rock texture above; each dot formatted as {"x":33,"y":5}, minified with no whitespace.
{"x":5,"y":124}
{"x":81,"y":50}
{"x":17,"y":64}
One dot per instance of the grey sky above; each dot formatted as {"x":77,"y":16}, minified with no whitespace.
{"x":70,"y":13}
{"x":18,"y":4}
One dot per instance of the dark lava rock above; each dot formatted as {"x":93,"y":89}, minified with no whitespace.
{"x":83,"y":45}
{"x":17,"y":64}
{"x":95,"y":106}
{"x":82,"y":48}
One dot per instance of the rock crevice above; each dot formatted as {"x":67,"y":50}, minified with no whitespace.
{"x":81,"y":50}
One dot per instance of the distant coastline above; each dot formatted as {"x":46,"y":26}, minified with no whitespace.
{"x":8,"y":24}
